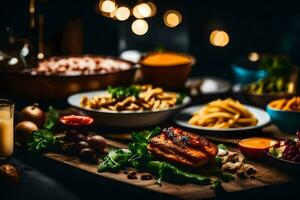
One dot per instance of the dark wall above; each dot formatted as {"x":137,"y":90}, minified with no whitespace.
{"x":75,"y":27}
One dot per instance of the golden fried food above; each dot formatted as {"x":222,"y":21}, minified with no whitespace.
{"x":292,"y":104}
{"x":146,"y":97}
{"x":223,"y":114}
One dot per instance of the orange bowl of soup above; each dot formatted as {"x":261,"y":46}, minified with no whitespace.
{"x":255,"y":147}
{"x":169,"y":70}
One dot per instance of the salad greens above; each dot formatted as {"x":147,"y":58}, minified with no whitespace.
{"x":138,"y":157}
{"x":51,"y":119}
{"x":42,"y":140}
{"x":123,"y":92}
{"x":115,"y":160}
{"x":166,"y":170}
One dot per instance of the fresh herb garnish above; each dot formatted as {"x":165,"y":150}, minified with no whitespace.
{"x":139,"y":147}
{"x":42,"y":140}
{"x":51,"y":119}
{"x":166,"y":170}
{"x":123,"y":92}
{"x":115,"y":160}
{"x":223,"y":147}
{"x":180,"y":98}
{"x":218,"y":161}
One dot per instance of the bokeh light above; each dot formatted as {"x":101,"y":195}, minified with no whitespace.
{"x":253,"y":56}
{"x":219,"y":38}
{"x":172,"y":18}
{"x":144,"y":10}
{"x":40,"y":55}
{"x":122,"y":13}
{"x":139,"y":27}
{"x":107,"y":6}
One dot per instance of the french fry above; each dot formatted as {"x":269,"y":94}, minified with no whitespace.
{"x":223,"y":114}
{"x":292,"y":104}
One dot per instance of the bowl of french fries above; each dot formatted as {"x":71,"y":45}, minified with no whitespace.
{"x":133,"y":106}
{"x":285,"y":113}
{"x":222,"y":116}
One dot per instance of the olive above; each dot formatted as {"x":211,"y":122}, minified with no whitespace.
{"x":74,"y":136}
{"x":34,"y":114}
{"x":81,"y":145}
{"x":70,"y":148}
{"x":97,"y":142}
{"x":87,"y":153}
{"x":89,"y":136}
{"x":23,"y":131}
{"x":146,"y":176}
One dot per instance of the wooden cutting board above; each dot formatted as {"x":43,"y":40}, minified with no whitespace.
{"x":266,"y":176}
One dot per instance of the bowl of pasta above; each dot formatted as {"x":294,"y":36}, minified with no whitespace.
{"x":223,"y":116}
{"x":285,"y":113}
{"x":134,"y":106}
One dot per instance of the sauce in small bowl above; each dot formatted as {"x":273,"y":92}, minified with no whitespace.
{"x":255,"y":147}
{"x":76,"y":120}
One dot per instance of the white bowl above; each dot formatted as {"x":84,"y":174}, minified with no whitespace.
{"x":125,"y":118}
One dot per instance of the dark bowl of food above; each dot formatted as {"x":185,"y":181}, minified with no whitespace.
{"x":262,"y":92}
{"x":58,"y":77}
{"x":286,"y":155}
{"x":169,"y":70}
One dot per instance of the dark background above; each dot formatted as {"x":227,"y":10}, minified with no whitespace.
{"x":75,"y":26}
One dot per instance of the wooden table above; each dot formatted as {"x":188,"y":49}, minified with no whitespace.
{"x":267,"y":176}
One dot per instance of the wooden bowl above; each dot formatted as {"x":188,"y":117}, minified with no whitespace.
{"x":262,"y":100}
{"x":171,"y":77}
{"x":40,"y":86}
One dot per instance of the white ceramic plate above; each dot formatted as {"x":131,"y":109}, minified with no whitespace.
{"x":125,"y":118}
{"x":182,"y":119}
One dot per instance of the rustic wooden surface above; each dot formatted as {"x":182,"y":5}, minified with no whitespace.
{"x":266,"y":176}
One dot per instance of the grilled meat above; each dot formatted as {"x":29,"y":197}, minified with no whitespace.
{"x":178,"y":146}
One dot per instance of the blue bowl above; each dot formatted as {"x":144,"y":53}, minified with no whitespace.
{"x":287,"y":121}
{"x":244,"y":76}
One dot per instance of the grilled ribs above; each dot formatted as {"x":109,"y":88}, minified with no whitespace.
{"x":182,"y":147}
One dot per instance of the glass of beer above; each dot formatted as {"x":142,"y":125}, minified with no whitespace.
{"x":6,"y":128}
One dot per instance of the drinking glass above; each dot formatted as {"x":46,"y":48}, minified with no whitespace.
{"x":6,"y":128}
